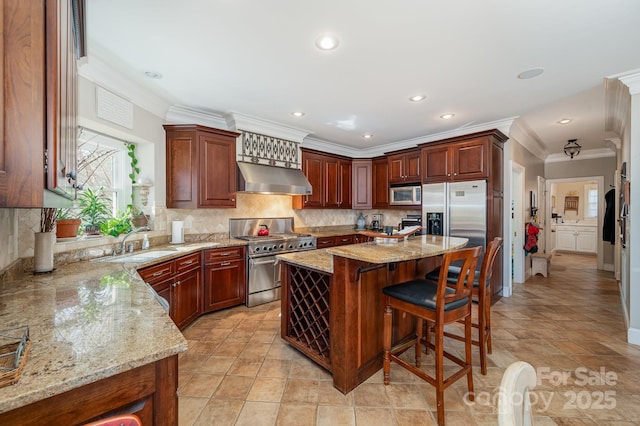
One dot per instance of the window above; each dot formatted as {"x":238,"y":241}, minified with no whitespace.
{"x":591,"y":195}
{"x":103,"y":163}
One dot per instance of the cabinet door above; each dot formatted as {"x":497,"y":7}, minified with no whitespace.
{"x":224,"y":284}
{"x":217,"y":176}
{"x":412,"y":166}
{"x":312,"y":166}
{"x":586,"y":241}
{"x":471,"y":160}
{"x":344,"y":184}
{"x":436,"y":164}
{"x":361,"y":184}
{"x":331,"y":182}
{"x":566,"y":240}
{"x":182,"y":166}
{"x":186,"y":298}
{"x":380,"y":183}
{"x":61,"y":102}
{"x":396,"y":168}
{"x":164,"y":290}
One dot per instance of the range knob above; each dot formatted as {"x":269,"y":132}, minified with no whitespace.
{"x":281,"y":246}
{"x":257,"y":249}
{"x":290,"y":247}
{"x":270,"y":248}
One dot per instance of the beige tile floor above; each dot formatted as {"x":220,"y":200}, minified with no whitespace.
{"x":569,"y":326}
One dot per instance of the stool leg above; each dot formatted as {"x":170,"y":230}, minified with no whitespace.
{"x":482,"y":332}
{"x":386,"y":363}
{"x":419,"y":329}
{"x":487,"y":321}
{"x":467,"y":347}
{"x":439,"y":353}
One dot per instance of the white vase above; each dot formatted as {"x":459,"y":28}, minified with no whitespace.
{"x":43,"y":252}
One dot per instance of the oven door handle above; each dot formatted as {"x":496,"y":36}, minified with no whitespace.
{"x":271,"y":259}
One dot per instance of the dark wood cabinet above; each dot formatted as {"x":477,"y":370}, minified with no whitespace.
{"x":225,"y":282}
{"x":404,"y":166}
{"x":201,"y":167}
{"x":38,"y":103}
{"x":330,"y":177}
{"x":179,"y":281}
{"x":325,"y":242}
{"x":476,"y":156}
{"x":466,"y":160}
{"x":380,"y":183}
{"x":338,"y":240}
{"x":343,"y":240}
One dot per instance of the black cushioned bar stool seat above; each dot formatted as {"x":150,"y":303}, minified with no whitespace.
{"x":422,"y":293}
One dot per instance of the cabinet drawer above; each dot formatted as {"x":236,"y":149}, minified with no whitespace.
{"x":157,"y":273}
{"x":218,"y":255}
{"x":325,"y":242}
{"x":188,"y":263}
{"x":345,"y":239}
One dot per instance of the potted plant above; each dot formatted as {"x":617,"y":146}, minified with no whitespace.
{"x":137,"y":215}
{"x":114,"y":226}
{"x":67,"y":225}
{"x":94,"y":210}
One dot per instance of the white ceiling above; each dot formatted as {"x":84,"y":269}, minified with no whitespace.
{"x":258,"y":58}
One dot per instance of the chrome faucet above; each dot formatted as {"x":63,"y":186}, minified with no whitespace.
{"x":133,"y":231}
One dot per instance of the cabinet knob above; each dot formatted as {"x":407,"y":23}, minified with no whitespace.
{"x":448,"y":174}
{"x":455,"y":174}
{"x":233,"y":199}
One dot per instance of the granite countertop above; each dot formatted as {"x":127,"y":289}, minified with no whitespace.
{"x":417,"y":247}
{"x":88,"y":320}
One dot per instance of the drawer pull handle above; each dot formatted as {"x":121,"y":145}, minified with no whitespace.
{"x":157,"y":274}
{"x":188,"y":263}
{"x":227,"y":254}
{"x":225,"y":264}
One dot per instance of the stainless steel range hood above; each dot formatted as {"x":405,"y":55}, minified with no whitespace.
{"x":262,"y":179}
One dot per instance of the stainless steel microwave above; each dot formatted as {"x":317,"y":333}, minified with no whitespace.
{"x":405,"y":195}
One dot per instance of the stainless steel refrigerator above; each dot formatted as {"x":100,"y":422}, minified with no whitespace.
{"x":456,"y":209}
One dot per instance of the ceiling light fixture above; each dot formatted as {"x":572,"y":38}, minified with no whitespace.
{"x":447,"y":116}
{"x":367,"y":136}
{"x":564,"y":121}
{"x":572,"y":148}
{"x":327,"y":42}
{"x":417,"y":98}
{"x":153,"y":74}
{"x":298,"y":114}
{"x":530,"y":73}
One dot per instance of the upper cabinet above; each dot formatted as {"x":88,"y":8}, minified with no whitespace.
{"x":461,"y":158}
{"x":330,"y":177}
{"x":201,"y":167}
{"x":361,"y":184}
{"x":38,"y":101}
{"x":404,"y":167}
{"x":380,"y":183}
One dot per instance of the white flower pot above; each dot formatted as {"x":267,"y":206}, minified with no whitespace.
{"x":43,"y":252}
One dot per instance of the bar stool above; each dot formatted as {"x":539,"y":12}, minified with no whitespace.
{"x":482,"y":293}
{"x":119,"y":420}
{"x":437,"y":304}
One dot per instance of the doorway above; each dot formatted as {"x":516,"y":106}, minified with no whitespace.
{"x":589,"y":209}
{"x":516,"y":273}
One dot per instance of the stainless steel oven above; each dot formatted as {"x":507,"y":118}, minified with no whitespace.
{"x":263,"y":269}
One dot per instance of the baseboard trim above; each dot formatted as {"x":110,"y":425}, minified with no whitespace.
{"x":633,"y":336}
{"x":608,"y":267}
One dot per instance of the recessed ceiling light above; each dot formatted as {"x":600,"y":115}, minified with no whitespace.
{"x":327,"y":42}
{"x":298,"y":114}
{"x":530,"y":73}
{"x":417,"y":98}
{"x":367,"y":136}
{"x":564,"y":121}
{"x":447,"y":116}
{"x":153,"y":74}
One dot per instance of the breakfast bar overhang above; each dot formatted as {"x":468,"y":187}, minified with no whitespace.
{"x":332,"y":305}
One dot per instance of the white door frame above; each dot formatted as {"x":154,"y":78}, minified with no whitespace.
{"x":601,"y":206}
{"x":516,"y":226}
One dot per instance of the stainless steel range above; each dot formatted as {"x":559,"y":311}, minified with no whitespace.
{"x":266,"y":238}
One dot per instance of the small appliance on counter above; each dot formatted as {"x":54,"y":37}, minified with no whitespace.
{"x":411,"y":220}
{"x":376,"y":222}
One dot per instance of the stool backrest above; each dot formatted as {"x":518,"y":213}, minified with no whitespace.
{"x":467,"y":260}
{"x":486,"y":271}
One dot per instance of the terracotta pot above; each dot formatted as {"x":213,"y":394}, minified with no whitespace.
{"x":67,"y":228}
{"x":139,"y":220}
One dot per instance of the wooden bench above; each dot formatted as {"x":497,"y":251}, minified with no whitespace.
{"x":540,"y":263}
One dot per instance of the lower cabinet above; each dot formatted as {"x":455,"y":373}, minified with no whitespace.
{"x":340,"y":240}
{"x":574,"y":238}
{"x":225,"y":282}
{"x":179,"y":281}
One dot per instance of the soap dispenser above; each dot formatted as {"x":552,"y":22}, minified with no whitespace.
{"x":145,"y":242}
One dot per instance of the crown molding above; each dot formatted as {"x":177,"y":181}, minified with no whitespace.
{"x":525,"y":136}
{"x":589,"y":154}
{"x":178,"y":114}
{"x":100,"y":73}
{"x":238,"y":122}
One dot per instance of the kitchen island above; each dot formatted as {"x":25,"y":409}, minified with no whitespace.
{"x":100,"y":344}
{"x":332,"y":301}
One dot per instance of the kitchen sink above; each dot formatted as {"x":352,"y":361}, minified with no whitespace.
{"x":139,"y":257}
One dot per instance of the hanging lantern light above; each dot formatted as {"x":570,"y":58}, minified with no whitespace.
{"x":572,"y":148}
